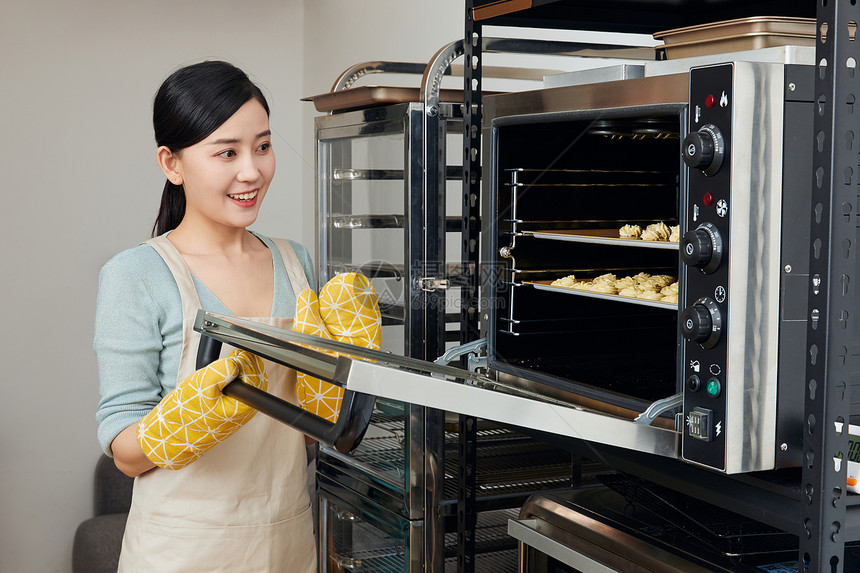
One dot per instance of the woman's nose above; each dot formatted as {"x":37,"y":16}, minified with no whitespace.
{"x":249,"y":170}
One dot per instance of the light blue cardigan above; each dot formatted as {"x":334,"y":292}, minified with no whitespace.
{"x":138,"y":331}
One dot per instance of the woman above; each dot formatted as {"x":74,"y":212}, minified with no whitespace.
{"x":243,"y":505}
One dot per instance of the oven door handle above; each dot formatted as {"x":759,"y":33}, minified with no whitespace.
{"x":344,"y":435}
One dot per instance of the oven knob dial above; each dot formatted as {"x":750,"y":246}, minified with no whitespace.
{"x":702,"y":323}
{"x":696,"y":323}
{"x":705,"y":149}
{"x":702,"y":248}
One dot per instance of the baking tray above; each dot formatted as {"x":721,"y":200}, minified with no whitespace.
{"x":547,"y":285}
{"x":599,"y":236}
{"x":374,"y":96}
{"x":729,"y":533}
{"x":736,"y":35}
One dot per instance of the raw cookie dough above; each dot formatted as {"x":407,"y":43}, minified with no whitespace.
{"x":656,"y":232}
{"x":630,"y":232}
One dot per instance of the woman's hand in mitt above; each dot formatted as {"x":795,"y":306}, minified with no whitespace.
{"x":347,"y":310}
{"x":196,"y":416}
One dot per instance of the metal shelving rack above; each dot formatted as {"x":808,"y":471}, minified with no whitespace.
{"x":811,"y":502}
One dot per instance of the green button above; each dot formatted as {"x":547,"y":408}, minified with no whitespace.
{"x":713,"y":388}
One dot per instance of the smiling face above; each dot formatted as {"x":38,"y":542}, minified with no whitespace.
{"x":225,"y":176}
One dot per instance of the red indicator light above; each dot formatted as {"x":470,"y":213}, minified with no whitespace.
{"x":710,"y":101}
{"x":708,"y":199}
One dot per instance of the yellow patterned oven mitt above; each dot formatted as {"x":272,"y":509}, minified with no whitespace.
{"x":347,"y":310}
{"x":196,"y":416}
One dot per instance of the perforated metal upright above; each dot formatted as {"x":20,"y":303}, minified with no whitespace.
{"x":830,"y":335}
{"x":469,"y":318}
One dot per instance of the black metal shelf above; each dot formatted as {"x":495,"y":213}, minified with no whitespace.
{"x":812,"y":501}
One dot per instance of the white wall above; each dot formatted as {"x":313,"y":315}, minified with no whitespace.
{"x":80,"y":183}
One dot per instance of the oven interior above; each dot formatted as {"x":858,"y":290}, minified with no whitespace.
{"x":563,"y":187}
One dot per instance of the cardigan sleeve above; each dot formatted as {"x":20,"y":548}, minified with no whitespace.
{"x":128,"y":345}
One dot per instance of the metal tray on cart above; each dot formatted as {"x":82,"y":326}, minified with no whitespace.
{"x":373,"y":96}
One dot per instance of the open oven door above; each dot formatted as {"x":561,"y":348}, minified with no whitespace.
{"x":366,"y":374}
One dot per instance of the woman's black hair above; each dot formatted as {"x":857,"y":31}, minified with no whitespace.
{"x":192,"y":103}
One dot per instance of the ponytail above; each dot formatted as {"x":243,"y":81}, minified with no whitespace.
{"x":171,"y":210}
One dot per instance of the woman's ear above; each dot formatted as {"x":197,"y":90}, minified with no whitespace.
{"x":169,"y":163}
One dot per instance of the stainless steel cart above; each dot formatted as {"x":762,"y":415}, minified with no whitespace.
{"x":389,"y":182}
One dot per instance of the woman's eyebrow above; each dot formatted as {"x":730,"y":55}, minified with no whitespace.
{"x":224,"y":140}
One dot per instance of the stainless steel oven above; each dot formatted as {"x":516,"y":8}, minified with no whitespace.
{"x":648,"y":243}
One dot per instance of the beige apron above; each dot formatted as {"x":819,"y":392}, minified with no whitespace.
{"x":244,"y":505}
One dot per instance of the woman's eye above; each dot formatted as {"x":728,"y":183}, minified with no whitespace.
{"x":265,"y":147}
{"x":229,"y":153}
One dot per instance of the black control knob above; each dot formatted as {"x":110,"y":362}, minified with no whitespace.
{"x":696,"y":248}
{"x":704,"y":149}
{"x":702,"y":248}
{"x":696,"y":323}
{"x":702,"y":323}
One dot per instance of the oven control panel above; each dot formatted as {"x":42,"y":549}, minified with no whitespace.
{"x":704,"y":250}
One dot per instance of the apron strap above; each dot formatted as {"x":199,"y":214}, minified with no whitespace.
{"x":295,"y":271}
{"x":180,"y":273}
{"x":190,"y":303}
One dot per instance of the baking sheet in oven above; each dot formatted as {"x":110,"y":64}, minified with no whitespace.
{"x":600,"y":236}
{"x":547,"y":285}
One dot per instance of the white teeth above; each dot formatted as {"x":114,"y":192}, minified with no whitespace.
{"x":244,"y":196}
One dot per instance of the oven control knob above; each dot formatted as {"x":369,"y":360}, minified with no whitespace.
{"x":705,"y":149}
{"x":702,"y":248}
{"x":702,"y":323}
{"x":696,"y":323}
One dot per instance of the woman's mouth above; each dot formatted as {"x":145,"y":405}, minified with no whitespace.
{"x":244,"y":199}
